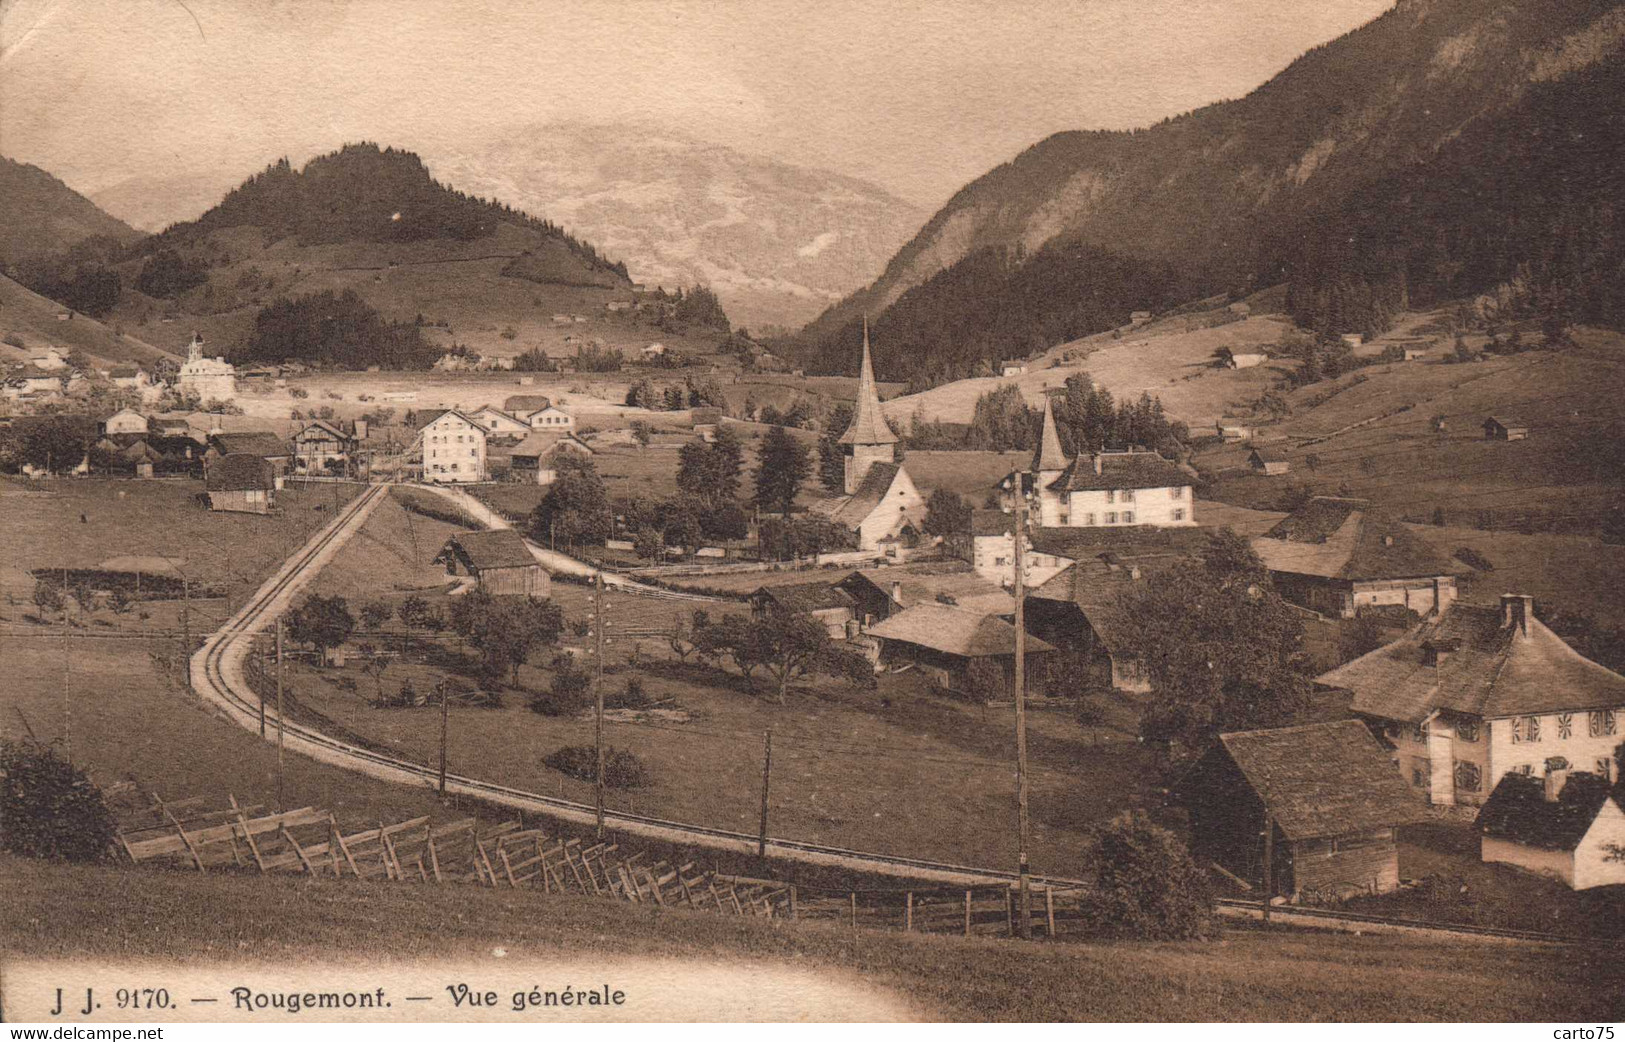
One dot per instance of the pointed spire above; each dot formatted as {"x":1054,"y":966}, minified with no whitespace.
{"x":1048,"y":455}
{"x":869,"y":426}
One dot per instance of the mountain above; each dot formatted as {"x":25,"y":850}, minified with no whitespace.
{"x":43,"y":215}
{"x":1358,"y":139}
{"x":778,"y":243}
{"x":152,"y":202}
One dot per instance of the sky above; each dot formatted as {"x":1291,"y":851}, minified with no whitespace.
{"x":918,"y":97}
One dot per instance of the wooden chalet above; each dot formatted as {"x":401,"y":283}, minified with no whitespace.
{"x":241,"y":481}
{"x":1563,"y":825}
{"x":1501,"y":428}
{"x":827,"y":603}
{"x":951,"y":644}
{"x":1328,"y":795}
{"x":1269,"y":461}
{"x":534,"y":461}
{"x":499,"y":560}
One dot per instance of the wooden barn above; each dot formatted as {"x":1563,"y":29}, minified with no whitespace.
{"x":962,"y":651}
{"x":827,"y":603}
{"x":500,"y":561}
{"x":1328,"y":794}
{"x":1500,"y":428}
{"x":1269,"y":461}
{"x":242,"y":482}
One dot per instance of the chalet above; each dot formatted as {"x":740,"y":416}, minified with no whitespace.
{"x":452,"y":446}
{"x":50,"y":359}
{"x":1243,"y":359}
{"x":1083,"y":610}
{"x":241,"y":482}
{"x":211,"y":379}
{"x":652,"y":350}
{"x":880,"y":502}
{"x":960,"y":650}
{"x":1325,"y":791}
{"x":1108,"y":488}
{"x":125,"y":421}
{"x":1272,"y":462}
{"x":1564,"y":825}
{"x":1352,"y":340}
{"x":263,"y":444}
{"x":499,"y":560}
{"x":552,"y":419}
{"x":827,"y":603}
{"x":1503,"y":429}
{"x":499,"y":423}
{"x":129,"y":377}
{"x":32,"y":379}
{"x":1336,"y":555}
{"x":534,"y":460}
{"x":1232,"y":430}
{"x":1012,"y":369}
{"x":1477,"y":693}
{"x":322,"y":445}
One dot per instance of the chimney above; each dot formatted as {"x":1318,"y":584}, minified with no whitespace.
{"x":897,"y":591}
{"x":1552,"y":784}
{"x":1097,"y":463}
{"x":1517,"y":611}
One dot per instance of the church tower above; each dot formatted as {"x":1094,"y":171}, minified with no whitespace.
{"x":870,"y":439}
{"x":1048,"y":464}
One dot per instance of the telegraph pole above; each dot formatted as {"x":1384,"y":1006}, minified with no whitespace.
{"x":1024,"y":901}
{"x":281,"y":720}
{"x":598,"y":694}
{"x":267,"y":654}
{"x":445,"y":715}
{"x":767,"y":773}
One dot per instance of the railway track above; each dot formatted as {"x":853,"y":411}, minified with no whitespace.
{"x":217,"y":673}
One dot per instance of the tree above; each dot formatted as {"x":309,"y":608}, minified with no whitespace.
{"x":783,"y":465}
{"x":375,"y":666}
{"x":947,"y":515}
{"x":642,"y":433}
{"x":375,"y":614}
{"x":682,"y":523}
{"x":1147,"y":886}
{"x":641,"y":395}
{"x":321,"y":622}
{"x":788,"y":645}
{"x":414,"y":612}
{"x":576,"y":507}
{"x":831,"y":458}
{"x":1221,"y":648}
{"x":649,"y":543}
{"x":506,"y":630}
{"x":50,"y":808}
{"x":54,"y":443}
{"x":47,"y":598}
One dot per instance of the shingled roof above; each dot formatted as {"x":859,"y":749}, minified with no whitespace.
{"x":1088,"y":541}
{"x":518,"y":403}
{"x":1337,"y":538}
{"x":497,"y":548}
{"x":1120,"y":470}
{"x":1325,"y":779}
{"x":1048,"y":454}
{"x":1487,"y":663}
{"x":869,"y":426}
{"x":259,"y":443}
{"x":1518,"y":809}
{"x":806,"y":597}
{"x":240,"y":472}
{"x":851,"y":510}
{"x":954,"y":631}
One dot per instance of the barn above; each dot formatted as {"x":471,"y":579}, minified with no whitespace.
{"x":1269,"y":461}
{"x":962,"y":651}
{"x":1329,"y":795}
{"x":499,"y":560}
{"x":241,"y":482}
{"x":1500,"y":428}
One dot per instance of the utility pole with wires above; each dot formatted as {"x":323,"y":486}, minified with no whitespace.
{"x":281,"y":719}
{"x":767,"y":775}
{"x":1024,"y":898}
{"x":445,"y":721}
{"x":598,"y":622}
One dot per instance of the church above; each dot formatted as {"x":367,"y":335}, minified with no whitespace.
{"x":879,"y":504}
{"x":212,"y":379}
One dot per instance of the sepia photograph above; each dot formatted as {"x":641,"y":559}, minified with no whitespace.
{"x":632,"y":512}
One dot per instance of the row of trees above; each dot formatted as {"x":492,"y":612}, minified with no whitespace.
{"x":643,"y":394}
{"x":338,"y":329}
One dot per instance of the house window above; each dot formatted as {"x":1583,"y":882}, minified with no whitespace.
{"x":1128,"y":517}
{"x":1525,"y":769}
{"x":1532,"y":729}
{"x":1111,"y":517}
{"x":1419,"y":776}
{"x":1178,"y":515}
{"x":1469,"y":776}
{"x":1111,"y":495}
{"x":1600,"y":722}
{"x":1128,"y":495}
{"x":1565,"y":725}
{"x":1419,"y":733}
{"x":1089,"y":519}
{"x":1176,"y":493}
{"x":1517,"y":730}
{"x":1467,"y":730}
{"x":1605,"y":767}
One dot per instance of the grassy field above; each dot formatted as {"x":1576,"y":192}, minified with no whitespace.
{"x":1244,"y":974}
{"x":33,"y":318}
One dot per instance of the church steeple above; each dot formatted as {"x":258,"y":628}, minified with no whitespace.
{"x":869,"y":439}
{"x":1048,"y":456}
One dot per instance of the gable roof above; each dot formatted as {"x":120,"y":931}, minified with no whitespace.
{"x":496,"y":548}
{"x":526,"y":403}
{"x":1268,"y":455}
{"x":1089,"y":541}
{"x":258,"y":443}
{"x":1120,"y":470}
{"x":240,"y":472}
{"x":852,"y":510}
{"x":428,"y":418}
{"x":806,"y":597}
{"x":324,"y":425}
{"x":1518,"y":810}
{"x":954,"y":631}
{"x":869,"y":426}
{"x":1496,"y":671}
{"x":1337,"y":538}
{"x":541,"y":443}
{"x":703,"y":414}
{"x":992,"y":522}
{"x":1101,"y":588}
{"x":1325,"y":779}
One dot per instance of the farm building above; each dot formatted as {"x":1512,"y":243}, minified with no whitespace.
{"x":706,"y":420}
{"x":129,"y":377}
{"x":524,"y":404}
{"x":993,"y":550}
{"x":50,"y":358}
{"x":1414,"y":354}
{"x":242,"y":482}
{"x":1242,"y":359}
{"x":551,"y":418}
{"x":263,"y":444}
{"x":1336,"y":555}
{"x":453,"y":447}
{"x":1012,"y":369}
{"x":1326,"y":792}
{"x":498,"y":423}
{"x":1477,"y":693}
{"x":125,"y":421}
{"x":960,"y":650}
{"x":827,"y":603}
{"x":1083,"y":610}
{"x":499,"y":560}
{"x":1562,"y":825}
{"x":1353,"y":339}
{"x":1499,"y":428}
{"x":1233,"y":430}
{"x":535,"y":459}
{"x":1269,"y":461}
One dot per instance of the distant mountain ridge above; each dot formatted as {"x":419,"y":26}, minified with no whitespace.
{"x":1239,"y":194}
{"x":43,"y":215}
{"x":777,"y":242}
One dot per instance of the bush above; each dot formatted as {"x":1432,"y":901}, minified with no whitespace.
{"x":569,"y":692}
{"x":50,"y":809}
{"x":633,"y":697}
{"x":622,"y":769}
{"x":1147,"y":886}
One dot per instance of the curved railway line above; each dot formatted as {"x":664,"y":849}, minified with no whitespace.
{"x":217,"y":674}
